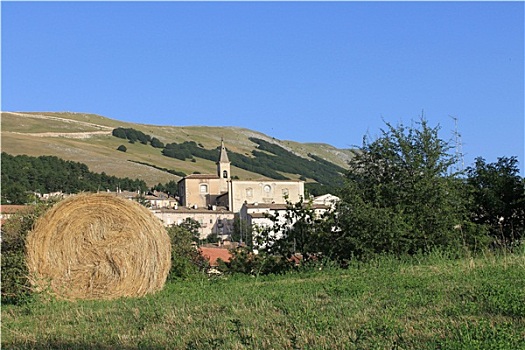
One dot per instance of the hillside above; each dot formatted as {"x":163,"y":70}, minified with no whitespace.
{"x":87,"y":138}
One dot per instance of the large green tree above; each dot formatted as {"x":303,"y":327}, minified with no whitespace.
{"x":399,"y":196}
{"x":498,"y":199}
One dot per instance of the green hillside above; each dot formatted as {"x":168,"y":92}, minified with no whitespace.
{"x":88,"y":139}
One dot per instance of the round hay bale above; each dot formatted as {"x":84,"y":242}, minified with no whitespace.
{"x":98,"y":246}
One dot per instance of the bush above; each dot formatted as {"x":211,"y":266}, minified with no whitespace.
{"x":16,"y":288}
{"x":132,"y":135}
{"x":244,"y":261}
{"x":155,"y":142}
{"x":120,"y":133}
{"x":185,"y":257}
{"x":122,"y":148}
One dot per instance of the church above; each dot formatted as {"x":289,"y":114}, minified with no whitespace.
{"x":220,"y":190}
{"x":215,"y":200}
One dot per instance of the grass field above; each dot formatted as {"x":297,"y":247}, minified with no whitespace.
{"x":431,"y":302}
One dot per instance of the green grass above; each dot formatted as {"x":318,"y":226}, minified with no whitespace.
{"x":427,"y":303}
{"x":14,"y":123}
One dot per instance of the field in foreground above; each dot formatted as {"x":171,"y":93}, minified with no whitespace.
{"x":430,"y":302}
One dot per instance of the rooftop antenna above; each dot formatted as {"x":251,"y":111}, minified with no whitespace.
{"x":458,"y":146}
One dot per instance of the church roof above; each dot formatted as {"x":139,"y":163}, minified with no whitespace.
{"x":202,"y":176}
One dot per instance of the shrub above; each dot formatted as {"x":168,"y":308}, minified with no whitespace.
{"x":244,"y":261}
{"x":120,"y":133}
{"x":185,"y":257}
{"x":16,"y":288}
{"x":122,"y":148}
{"x":155,"y":142}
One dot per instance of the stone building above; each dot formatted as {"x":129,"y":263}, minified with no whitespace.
{"x":206,"y":191}
{"x":203,"y":190}
{"x":215,"y":199}
{"x":264,"y":192}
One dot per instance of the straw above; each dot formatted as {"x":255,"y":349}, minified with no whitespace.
{"x":98,"y":246}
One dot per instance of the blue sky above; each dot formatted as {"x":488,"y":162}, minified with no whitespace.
{"x":305,"y":71}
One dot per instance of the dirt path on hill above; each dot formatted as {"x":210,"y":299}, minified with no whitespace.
{"x":103,"y":130}
{"x":71,"y":135}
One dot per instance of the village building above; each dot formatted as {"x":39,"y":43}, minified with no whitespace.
{"x":206,"y":190}
{"x":261,"y":216}
{"x":214,"y":199}
{"x":159,"y":200}
{"x":217,"y":221}
{"x":264,"y":192}
{"x":326,"y":199}
{"x":8,"y":210}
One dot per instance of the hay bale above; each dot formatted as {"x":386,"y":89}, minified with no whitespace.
{"x":98,"y":246}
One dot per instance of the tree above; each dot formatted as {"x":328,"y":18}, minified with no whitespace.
{"x":171,"y":188}
{"x":14,"y":193}
{"x":299,"y":230}
{"x":399,"y":196}
{"x":141,"y":199}
{"x":498,"y":199}
{"x":155,"y":142}
{"x":24,"y":174}
{"x":185,"y":258}
{"x":122,"y":148}
{"x":120,"y":133}
{"x":242,"y":232}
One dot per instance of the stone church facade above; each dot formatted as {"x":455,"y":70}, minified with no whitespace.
{"x":219,"y":190}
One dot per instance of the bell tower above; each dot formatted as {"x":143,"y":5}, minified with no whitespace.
{"x":223,"y":169}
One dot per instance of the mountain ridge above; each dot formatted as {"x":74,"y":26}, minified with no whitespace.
{"x":86,"y":138}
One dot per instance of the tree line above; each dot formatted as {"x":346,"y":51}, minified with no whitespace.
{"x":24,"y":175}
{"x":133,"y":135}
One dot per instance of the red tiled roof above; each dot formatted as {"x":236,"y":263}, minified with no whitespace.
{"x":212,"y":254}
{"x":11,"y":208}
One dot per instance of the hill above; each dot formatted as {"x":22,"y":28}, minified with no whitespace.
{"x":88,"y":139}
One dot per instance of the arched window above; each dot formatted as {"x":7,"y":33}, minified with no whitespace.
{"x":203,"y":188}
{"x":225,"y":174}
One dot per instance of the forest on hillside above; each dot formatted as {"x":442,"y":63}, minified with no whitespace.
{"x":268,"y":159}
{"x":24,"y":175}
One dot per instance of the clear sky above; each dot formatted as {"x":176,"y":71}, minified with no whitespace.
{"x":305,"y":71}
